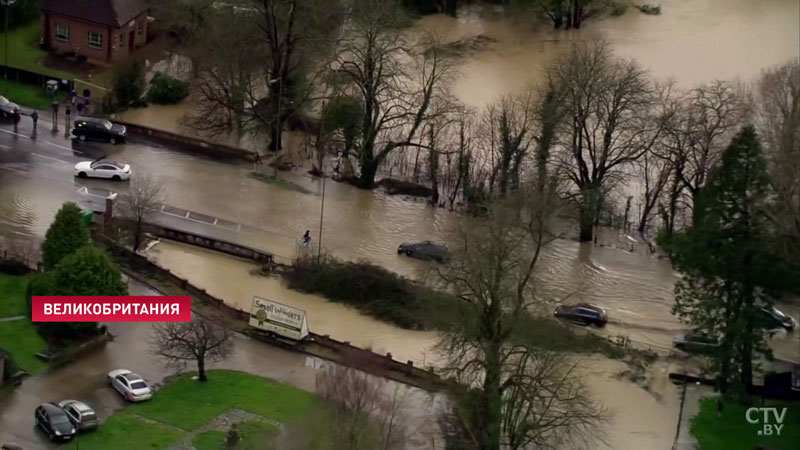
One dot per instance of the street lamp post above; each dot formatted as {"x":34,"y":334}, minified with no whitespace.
{"x":7,"y":4}
{"x":321,"y":212}
{"x":278,"y":80}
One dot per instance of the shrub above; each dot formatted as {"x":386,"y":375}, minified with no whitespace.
{"x":373,"y":290}
{"x":21,"y":12}
{"x":618,"y":8}
{"x":88,"y":271}
{"x":166,"y":90}
{"x":66,"y":234}
{"x":129,"y":84}
{"x":652,"y":10}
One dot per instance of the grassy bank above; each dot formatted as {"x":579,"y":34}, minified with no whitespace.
{"x":732,"y":431}
{"x":183,"y":405}
{"x":26,"y":95}
{"x":278,"y":182}
{"x":19,"y":337}
{"x":386,"y":296}
{"x":23,"y":53}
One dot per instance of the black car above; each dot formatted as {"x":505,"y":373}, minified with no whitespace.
{"x":582,"y":313}
{"x":54,"y":421}
{"x":424,"y":250}
{"x":7,"y":108}
{"x":90,"y":128}
{"x":772,"y":318}
{"x":696,"y":342}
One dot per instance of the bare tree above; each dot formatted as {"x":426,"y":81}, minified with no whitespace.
{"x":610,"y":121}
{"x":509,"y":134}
{"x":777,"y":106}
{"x":710,"y":115}
{"x":198,"y":341}
{"x":360,"y":412}
{"x":492,"y":271}
{"x":395,"y":81}
{"x":145,"y":196}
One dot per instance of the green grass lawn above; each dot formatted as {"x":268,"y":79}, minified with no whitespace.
{"x":21,"y":339}
{"x":27,"y":95}
{"x":19,"y":336}
{"x":24,"y":54}
{"x":126,"y":432}
{"x":12,"y":295}
{"x":734,"y":432}
{"x":209,"y":440}
{"x":187,"y":403}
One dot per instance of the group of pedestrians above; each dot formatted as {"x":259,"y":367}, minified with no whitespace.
{"x":16,"y":116}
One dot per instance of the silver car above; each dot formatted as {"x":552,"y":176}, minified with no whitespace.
{"x":81,"y":414}
{"x":130,"y":385}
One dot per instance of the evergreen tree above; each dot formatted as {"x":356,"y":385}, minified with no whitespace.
{"x":725,"y":260}
{"x":66,"y":234}
{"x":88,"y":271}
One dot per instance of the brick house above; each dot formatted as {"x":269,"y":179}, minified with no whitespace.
{"x":103,"y":31}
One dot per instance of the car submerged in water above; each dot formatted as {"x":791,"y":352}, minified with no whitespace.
{"x":772,"y":318}
{"x":426,"y":250}
{"x":582,"y":313}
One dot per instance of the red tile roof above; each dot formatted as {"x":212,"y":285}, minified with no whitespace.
{"x":115,"y":13}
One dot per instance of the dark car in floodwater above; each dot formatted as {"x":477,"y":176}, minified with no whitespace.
{"x":582,"y":313}
{"x":7,"y":107}
{"x":772,"y":318}
{"x":426,"y":250}
{"x":54,"y":421}
{"x":94,"y":129}
{"x":696,"y":343}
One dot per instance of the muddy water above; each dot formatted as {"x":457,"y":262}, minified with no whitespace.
{"x":649,"y":416}
{"x":216,"y":273}
{"x":692,"y":41}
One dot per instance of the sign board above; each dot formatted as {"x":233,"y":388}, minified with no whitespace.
{"x":278,"y":318}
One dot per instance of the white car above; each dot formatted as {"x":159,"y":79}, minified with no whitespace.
{"x":130,"y":385}
{"x":103,"y":169}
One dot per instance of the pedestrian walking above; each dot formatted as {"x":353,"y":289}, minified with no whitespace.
{"x":35,"y":118}
{"x":80,"y":108}
{"x":17,"y":117}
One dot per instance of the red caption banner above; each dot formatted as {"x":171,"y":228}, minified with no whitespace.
{"x":111,"y":309}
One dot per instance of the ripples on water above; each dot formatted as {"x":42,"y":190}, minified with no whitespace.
{"x":17,"y":215}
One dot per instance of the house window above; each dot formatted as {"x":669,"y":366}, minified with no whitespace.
{"x":140,"y":27}
{"x":121,"y":40}
{"x":95,"y":40}
{"x":62,"y":32}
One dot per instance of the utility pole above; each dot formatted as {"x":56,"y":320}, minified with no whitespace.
{"x":7,"y":4}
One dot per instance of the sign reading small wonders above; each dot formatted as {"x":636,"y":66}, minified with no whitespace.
{"x":278,"y":318}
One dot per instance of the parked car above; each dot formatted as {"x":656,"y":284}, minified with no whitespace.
{"x":130,"y":385}
{"x":582,"y":313}
{"x":81,"y":414}
{"x":103,"y":169}
{"x":695,"y":342}
{"x":424,"y":250}
{"x":772,"y":318}
{"x":54,"y":421}
{"x":7,"y":107}
{"x":90,"y":128}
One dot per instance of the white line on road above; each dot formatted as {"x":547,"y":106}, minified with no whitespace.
{"x":65,"y":148}
{"x":5,"y":147}
{"x":13,"y":170}
{"x":11,"y":132}
{"x":47,"y":157}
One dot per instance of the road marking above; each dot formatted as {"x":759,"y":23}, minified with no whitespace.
{"x":13,"y":170}
{"x":17,"y":134}
{"x":65,"y":148}
{"x":5,"y":147}
{"x":47,"y":157}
